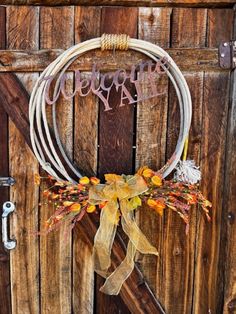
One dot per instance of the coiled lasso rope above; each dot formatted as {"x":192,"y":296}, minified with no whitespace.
{"x":41,"y":139}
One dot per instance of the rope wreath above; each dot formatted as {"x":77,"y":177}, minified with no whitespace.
{"x":120,"y":195}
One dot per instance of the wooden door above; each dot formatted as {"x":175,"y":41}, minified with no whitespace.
{"x":194,"y":273}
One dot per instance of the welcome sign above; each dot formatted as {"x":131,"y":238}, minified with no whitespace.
{"x":100,"y":84}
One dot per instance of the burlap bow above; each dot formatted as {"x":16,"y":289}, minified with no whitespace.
{"x":119,"y":193}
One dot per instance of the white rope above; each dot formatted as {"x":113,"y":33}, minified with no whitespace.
{"x":42,"y":143}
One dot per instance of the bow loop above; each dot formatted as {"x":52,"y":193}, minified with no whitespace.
{"x":118,"y":194}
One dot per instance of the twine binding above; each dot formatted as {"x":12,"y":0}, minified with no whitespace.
{"x":114,"y":41}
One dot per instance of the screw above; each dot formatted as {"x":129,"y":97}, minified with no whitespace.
{"x":8,"y":205}
{"x":222,"y":55}
{"x":225,"y":44}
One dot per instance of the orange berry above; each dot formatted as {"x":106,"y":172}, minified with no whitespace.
{"x":91,"y":208}
{"x":84,"y":180}
{"x":94,"y":180}
{"x":147,"y":173}
{"x":156,"y":180}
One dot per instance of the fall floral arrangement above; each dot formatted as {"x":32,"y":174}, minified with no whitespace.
{"x":117,"y":200}
{"x":72,"y":201}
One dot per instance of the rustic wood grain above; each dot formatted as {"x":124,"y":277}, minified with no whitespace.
{"x":154,"y":26}
{"x":115,"y":133}
{"x":85,"y":155}
{"x":30,"y":61}
{"x":220,"y":26}
{"x":116,"y":125}
{"x":230,"y":205}
{"x":56,"y":31}
{"x":186,"y":26}
{"x":188,"y":29}
{"x":5,"y":292}
{"x":210,"y":262}
{"x":22,"y":33}
{"x":208,"y":287}
{"x":188,"y":3}
{"x":229,"y":200}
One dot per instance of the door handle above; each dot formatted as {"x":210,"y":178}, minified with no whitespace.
{"x":8,"y":207}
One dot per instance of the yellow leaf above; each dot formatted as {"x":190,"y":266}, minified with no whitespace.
{"x":135,"y":202}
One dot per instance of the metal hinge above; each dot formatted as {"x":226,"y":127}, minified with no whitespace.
{"x":7,"y":181}
{"x":227,"y":55}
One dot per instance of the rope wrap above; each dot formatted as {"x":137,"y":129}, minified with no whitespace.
{"x":114,"y":41}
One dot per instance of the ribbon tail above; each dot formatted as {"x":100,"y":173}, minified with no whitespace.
{"x":104,"y":238}
{"x":132,"y":230}
{"x":115,"y":281}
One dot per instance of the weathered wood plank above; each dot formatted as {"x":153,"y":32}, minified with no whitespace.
{"x":210,"y":259}
{"x":189,"y":3}
{"x":208,"y":287}
{"x":5,"y":292}
{"x":30,"y":61}
{"x":56,"y":31}
{"x":85,"y":155}
{"x":185,"y":24}
{"x":154,"y":26}
{"x":230,"y":205}
{"x":115,"y":133}
{"x":135,"y":293}
{"x":22,"y":33}
{"x":189,"y":29}
{"x":220,"y":27}
{"x":229,"y":200}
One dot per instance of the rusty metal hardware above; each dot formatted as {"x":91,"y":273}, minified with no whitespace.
{"x":227,"y":55}
{"x":7,"y":181}
{"x":8,"y":207}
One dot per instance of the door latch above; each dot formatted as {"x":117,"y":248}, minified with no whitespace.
{"x":8,"y":207}
{"x":227,"y":55}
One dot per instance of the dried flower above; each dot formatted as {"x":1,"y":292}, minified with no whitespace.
{"x":156,"y":180}
{"x":84,"y":180}
{"x":95,"y":180}
{"x":91,"y":208}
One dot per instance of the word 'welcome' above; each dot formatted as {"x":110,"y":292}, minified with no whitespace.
{"x":100,"y":84}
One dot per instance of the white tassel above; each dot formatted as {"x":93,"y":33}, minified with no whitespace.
{"x":187,"y":171}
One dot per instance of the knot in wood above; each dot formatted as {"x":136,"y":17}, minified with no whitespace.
{"x":114,"y":41}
